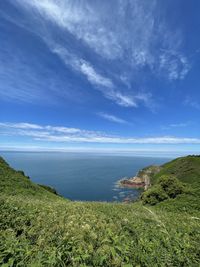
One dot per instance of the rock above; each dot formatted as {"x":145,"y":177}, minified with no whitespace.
{"x":143,"y":178}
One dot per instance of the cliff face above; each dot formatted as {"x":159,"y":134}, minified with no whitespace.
{"x":142,"y":179}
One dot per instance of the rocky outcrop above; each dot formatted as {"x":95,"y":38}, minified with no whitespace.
{"x":142,"y":179}
{"x":135,"y":182}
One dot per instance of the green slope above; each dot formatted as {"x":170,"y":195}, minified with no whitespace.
{"x":186,"y":169}
{"x":16,"y":183}
{"x":176,"y":186}
{"x":38,"y":228}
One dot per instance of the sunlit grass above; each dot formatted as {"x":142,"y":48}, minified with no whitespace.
{"x":38,"y":228}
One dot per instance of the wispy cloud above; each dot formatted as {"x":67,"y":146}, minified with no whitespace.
{"x":21,"y":125}
{"x":113,"y":38}
{"x":133,"y":39}
{"x":73,"y":135}
{"x":81,"y":65}
{"x":177,"y":125}
{"x":101,"y":83}
{"x":191,"y":102}
{"x":174,"y":65}
{"x":93,"y":76}
{"x":112,"y":118}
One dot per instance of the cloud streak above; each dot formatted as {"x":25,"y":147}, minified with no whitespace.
{"x":177,"y":125}
{"x":112,"y":118}
{"x":133,"y":30}
{"x":132,"y":38}
{"x":75,"y":135}
{"x":101,"y":83}
{"x":191,"y":102}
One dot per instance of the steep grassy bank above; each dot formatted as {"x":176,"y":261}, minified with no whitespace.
{"x":186,"y":169}
{"x":181,"y":177}
{"x":38,"y":228}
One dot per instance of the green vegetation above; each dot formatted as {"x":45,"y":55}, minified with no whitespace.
{"x":49,"y":188}
{"x":186,"y":169}
{"x":168,"y":186}
{"x":15,"y":183}
{"x":39,"y":228}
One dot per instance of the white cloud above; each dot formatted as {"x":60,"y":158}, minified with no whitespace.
{"x":73,"y":135}
{"x":82,"y":66}
{"x":112,"y":118}
{"x":21,"y":125}
{"x":177,"y":125}
{"x":134,"y":36}
{"x":123,"y":100}
{"x":93,"y":76}
{"x":191,"y":102}
{"x":101,"y":83}
{"x":175,"y":65}
{"x":81,"y":19}
{"x":62,"y":129}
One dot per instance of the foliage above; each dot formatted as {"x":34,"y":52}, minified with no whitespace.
{"x":38,"y":228}
{"x":186,"y":169}
{"x":171,"y":185}
{"x":154,"y":195}
{"x":14,"y":182}
{"x":49,"y":188}
{"x":168,"y":186}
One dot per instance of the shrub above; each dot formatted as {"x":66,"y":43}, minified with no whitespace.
{"x":167,"y":187}
{"x":154,"y":195}
{"x":171,"y":185}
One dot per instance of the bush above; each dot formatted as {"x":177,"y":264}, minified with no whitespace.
{"x":171,"y":185}
{"x":167,"y":187}
{"x":154,"y":195}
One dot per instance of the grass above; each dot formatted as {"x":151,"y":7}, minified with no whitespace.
{"x":186,"y":169}
{"x":39,"y":228}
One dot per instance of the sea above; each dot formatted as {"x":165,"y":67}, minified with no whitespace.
{"x":82,"y":176}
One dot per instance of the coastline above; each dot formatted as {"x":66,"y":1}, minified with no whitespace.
{"x":142,"y":180}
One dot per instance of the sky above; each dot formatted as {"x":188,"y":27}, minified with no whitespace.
{"x":117,"y":75}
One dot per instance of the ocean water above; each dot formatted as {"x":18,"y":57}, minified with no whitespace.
{"x":81,"y":176}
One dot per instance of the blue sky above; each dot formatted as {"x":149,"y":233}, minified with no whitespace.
{"x":112,"y":75}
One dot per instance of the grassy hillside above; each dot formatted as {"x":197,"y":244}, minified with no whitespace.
{"x":186,"y":169}
{"x":184,"y":172}
{"x":14,"y":183}
{"x":39,"y":228}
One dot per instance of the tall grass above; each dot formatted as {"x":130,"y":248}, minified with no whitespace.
{"x":38,"y":228}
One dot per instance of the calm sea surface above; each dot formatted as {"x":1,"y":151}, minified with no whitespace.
{"x":80,"y":176}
